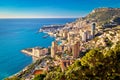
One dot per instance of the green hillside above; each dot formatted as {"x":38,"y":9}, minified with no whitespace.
{"x":103,"y":15}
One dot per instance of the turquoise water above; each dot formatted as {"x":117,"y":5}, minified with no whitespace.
{"x":17,"y":34}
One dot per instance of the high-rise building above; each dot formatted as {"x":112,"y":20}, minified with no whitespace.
{"x":93,"y":30}
{"x":53,"y":48}
{"x":64,"y":64}
{"x":64,"y":34}
{"x":76,"y":49}
{"x":68,"y":36}
{"x":88,"y":35}
{"x":84,"y":36}
{"x":36,"y":52}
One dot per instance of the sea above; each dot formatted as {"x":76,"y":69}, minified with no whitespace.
{"x":18,"y":34}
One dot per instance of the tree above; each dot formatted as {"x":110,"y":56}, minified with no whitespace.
{"x":39,"y":77}
{"x":13,"y":78}
{"x":92,"y":58}
{"x":95,"y":65}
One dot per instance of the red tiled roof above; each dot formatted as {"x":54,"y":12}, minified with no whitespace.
{"x":36,"y":72}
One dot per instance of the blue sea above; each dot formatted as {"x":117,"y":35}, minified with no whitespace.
{"x":17,"y":34}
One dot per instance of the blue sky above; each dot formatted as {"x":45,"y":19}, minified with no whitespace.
{"x":51,"y":8}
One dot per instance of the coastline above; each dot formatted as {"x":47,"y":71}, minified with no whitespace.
{"x":88,"y":48}
{"x":33,"y":41}
{"x":32,"y":65}
{"x":28,"y":52}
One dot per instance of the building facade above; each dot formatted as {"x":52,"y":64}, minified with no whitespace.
{"x":53,"y":48}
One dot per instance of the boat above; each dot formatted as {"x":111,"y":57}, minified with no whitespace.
{"x":45,"y":36}
{"x":40,"y":30}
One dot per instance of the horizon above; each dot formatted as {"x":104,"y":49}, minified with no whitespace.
{"x":51,"y":9}
{"x":43,"y":18}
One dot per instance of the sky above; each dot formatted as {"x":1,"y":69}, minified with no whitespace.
{"x":52,"y":8}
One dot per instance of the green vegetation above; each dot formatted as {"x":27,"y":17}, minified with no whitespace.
{"x":25,"y":73}
{"x":39,"y":77}
{"x":95,"y":65}
{"x":13,"y":78}
{"x":104,"y":15}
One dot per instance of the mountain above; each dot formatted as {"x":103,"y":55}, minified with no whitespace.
{"x":103,"y":15}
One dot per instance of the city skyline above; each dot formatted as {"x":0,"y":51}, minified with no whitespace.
{"x":52,"y":8}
